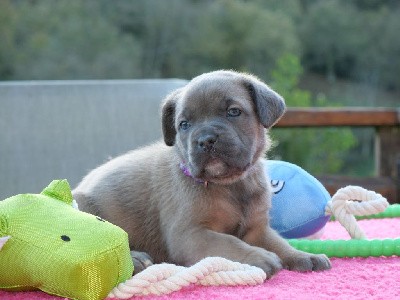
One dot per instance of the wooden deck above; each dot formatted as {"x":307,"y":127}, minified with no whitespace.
{"x":386,"y":122}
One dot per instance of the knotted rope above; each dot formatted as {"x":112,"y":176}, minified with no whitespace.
{"x":166,"y":278}
{"x":353,"y":201}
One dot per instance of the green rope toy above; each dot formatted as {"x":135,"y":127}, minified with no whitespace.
{"x":355,"y":247}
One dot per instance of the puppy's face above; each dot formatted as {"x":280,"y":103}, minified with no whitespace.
{"x":217,"y":123}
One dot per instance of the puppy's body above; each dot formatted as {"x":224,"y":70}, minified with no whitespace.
{"x":169,"y":212}
{"x":215,"y":128}
{"x":127,"y":191}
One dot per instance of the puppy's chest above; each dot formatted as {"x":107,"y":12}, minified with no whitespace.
{"x":231,"y":212}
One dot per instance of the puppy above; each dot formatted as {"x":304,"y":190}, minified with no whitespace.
{"x":202,"y":192}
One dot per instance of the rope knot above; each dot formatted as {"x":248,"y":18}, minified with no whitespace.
{"x":166,"y":278}
{"x":353,"y":201}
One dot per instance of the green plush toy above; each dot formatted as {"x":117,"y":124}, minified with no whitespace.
{"x":47,"y":244}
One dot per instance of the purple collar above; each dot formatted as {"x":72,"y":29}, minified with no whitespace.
{"x":186,"y":172}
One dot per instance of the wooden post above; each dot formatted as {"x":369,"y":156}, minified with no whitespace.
{"x":388,"y":155}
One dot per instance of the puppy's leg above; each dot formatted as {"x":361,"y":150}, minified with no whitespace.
{"x":141,"y":260}
{"x":190,"y":247}
{"x":292,"y":259}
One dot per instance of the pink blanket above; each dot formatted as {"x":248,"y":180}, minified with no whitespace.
{"x":350,"y":278}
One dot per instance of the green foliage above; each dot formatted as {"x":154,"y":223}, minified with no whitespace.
{"x":65,"y":40}
{"x":285,"y":80}
{"x":183,"y":38}
{"x":248,"y":39}
{"x":330,"y":36}
{"x":163,"y":28}
{"x":7,"y":36}
{"x":316,"y":150}
{"x":353,"y":39}
{"x":150,"y":38}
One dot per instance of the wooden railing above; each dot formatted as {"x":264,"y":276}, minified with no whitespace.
{"x":386,"y":122}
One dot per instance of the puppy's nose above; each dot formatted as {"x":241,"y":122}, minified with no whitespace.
{"x":207,"y":142}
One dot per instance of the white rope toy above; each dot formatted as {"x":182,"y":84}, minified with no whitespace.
{"x":167,"y":278}
{"x":354,"y":200}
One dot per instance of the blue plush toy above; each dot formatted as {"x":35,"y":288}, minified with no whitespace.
{"x":298,"y":202}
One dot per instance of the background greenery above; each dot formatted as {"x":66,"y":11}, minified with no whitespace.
{"x":313,"y":52}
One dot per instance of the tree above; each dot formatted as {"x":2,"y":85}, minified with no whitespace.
{"x":378,"y":64}
{"x":316,"y":150}
{"x":183,"y":38}
{"x":331,"y":36}
{"x":355,"y":40}
{"x":66,"y":40}
{"x":7,"y":36}
{"x":241,"y":36}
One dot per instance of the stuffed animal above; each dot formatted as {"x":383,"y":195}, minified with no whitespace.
{"x":301,"y":206}
{"x":298,"y":200}
{"x":47,"y":244}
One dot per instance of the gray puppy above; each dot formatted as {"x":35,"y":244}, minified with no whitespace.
{"x":203,"y":192}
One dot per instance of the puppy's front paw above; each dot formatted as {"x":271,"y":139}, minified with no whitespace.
{"x":141,"y":260}
{"x":267,"y":261}
{"x":304,"y":262}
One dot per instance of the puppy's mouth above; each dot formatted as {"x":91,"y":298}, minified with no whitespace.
{"x":218,"y":156}
{"x":218,"y":170}
{"x":215,"y":168}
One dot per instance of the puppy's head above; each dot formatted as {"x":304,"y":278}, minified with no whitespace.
{"x":217,"y":123}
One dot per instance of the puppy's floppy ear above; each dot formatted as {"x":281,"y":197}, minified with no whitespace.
{"x":269,"y":105}
{"x":168,"y":117}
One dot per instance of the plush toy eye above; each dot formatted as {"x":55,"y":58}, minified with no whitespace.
{"x":277,"y":186}
{"x":234,"y":112}
{"x":65,"y":238}
{"x":184,"y":125}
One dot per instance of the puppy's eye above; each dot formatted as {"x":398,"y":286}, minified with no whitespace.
{"x":233,"y":112}
{"x":184,"y":125}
